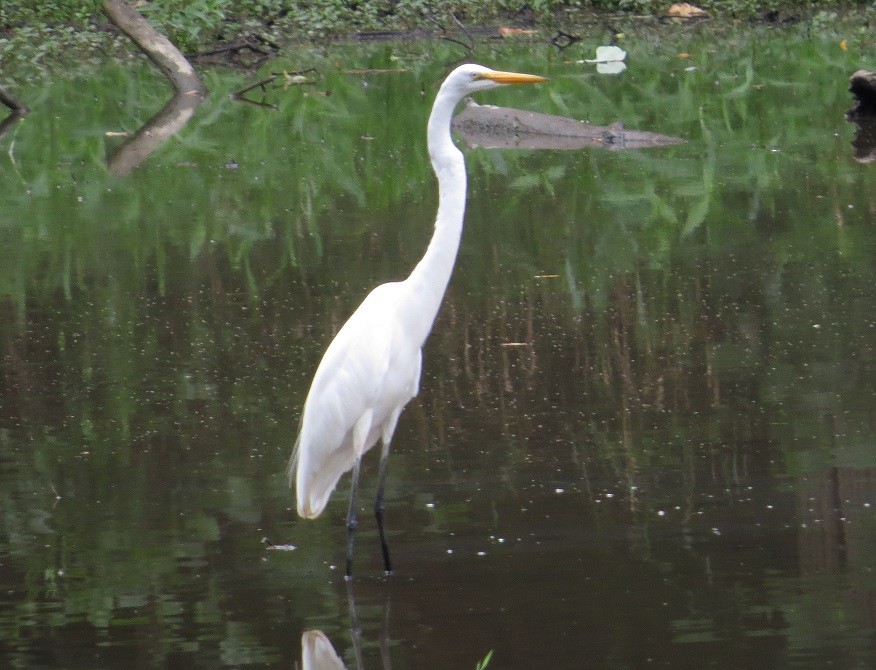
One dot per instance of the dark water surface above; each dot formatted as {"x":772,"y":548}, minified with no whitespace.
{"x":645,"y":436}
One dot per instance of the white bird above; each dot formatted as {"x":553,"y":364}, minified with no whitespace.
{"x":371,"y":369}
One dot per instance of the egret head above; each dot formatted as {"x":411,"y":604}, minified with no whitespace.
{"x":472,"y":78}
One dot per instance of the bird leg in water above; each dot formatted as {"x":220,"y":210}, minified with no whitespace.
{"x":352,"y":521}
{"x":378,"y":509}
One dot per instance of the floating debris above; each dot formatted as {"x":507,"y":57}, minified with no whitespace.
{"x":610,"y":54}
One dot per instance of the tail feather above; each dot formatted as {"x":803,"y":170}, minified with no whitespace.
{"x":314,"y":482}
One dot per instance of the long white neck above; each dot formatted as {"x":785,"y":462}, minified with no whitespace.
{"x":428,"y":280}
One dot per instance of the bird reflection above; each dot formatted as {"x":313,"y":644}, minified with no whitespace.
{"x":317,"y":652}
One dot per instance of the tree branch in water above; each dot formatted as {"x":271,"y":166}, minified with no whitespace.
{"x":9,"y":100}
{"x":156,"y":46}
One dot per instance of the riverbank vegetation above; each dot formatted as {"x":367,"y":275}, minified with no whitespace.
{"x":36,"y":38}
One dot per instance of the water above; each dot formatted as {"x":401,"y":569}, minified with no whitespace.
{"x":645,"y":435}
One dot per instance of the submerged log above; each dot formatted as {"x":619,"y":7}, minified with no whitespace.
{"x":503,"y":128}
{"x":156,"y":46}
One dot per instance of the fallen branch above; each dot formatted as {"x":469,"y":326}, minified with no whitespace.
{"x":156,"y":46}
{"x":261,"y":83}
{"x":234,"y":52}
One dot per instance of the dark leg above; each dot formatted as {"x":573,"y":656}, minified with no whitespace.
{"x":378,"y":509}
{"x":352,"y":521}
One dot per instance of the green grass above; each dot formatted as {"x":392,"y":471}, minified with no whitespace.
{"x":485,"y":661}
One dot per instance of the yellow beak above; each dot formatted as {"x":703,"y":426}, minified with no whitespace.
{"x":512,"y":77}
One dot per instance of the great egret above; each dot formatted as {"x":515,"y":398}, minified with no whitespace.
{"x":371,"y":369}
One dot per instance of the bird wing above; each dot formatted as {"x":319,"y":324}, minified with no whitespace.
{"x":369,"y":371}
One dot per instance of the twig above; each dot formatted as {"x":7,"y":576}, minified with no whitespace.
{"x":464,"y":30}
{"x":256,"y":103}
{"x":263,"y":83}
{"x":238,"y":45}
{"x":445,"y":36}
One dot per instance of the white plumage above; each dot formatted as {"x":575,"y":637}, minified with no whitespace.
{"x":371,"y":369}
